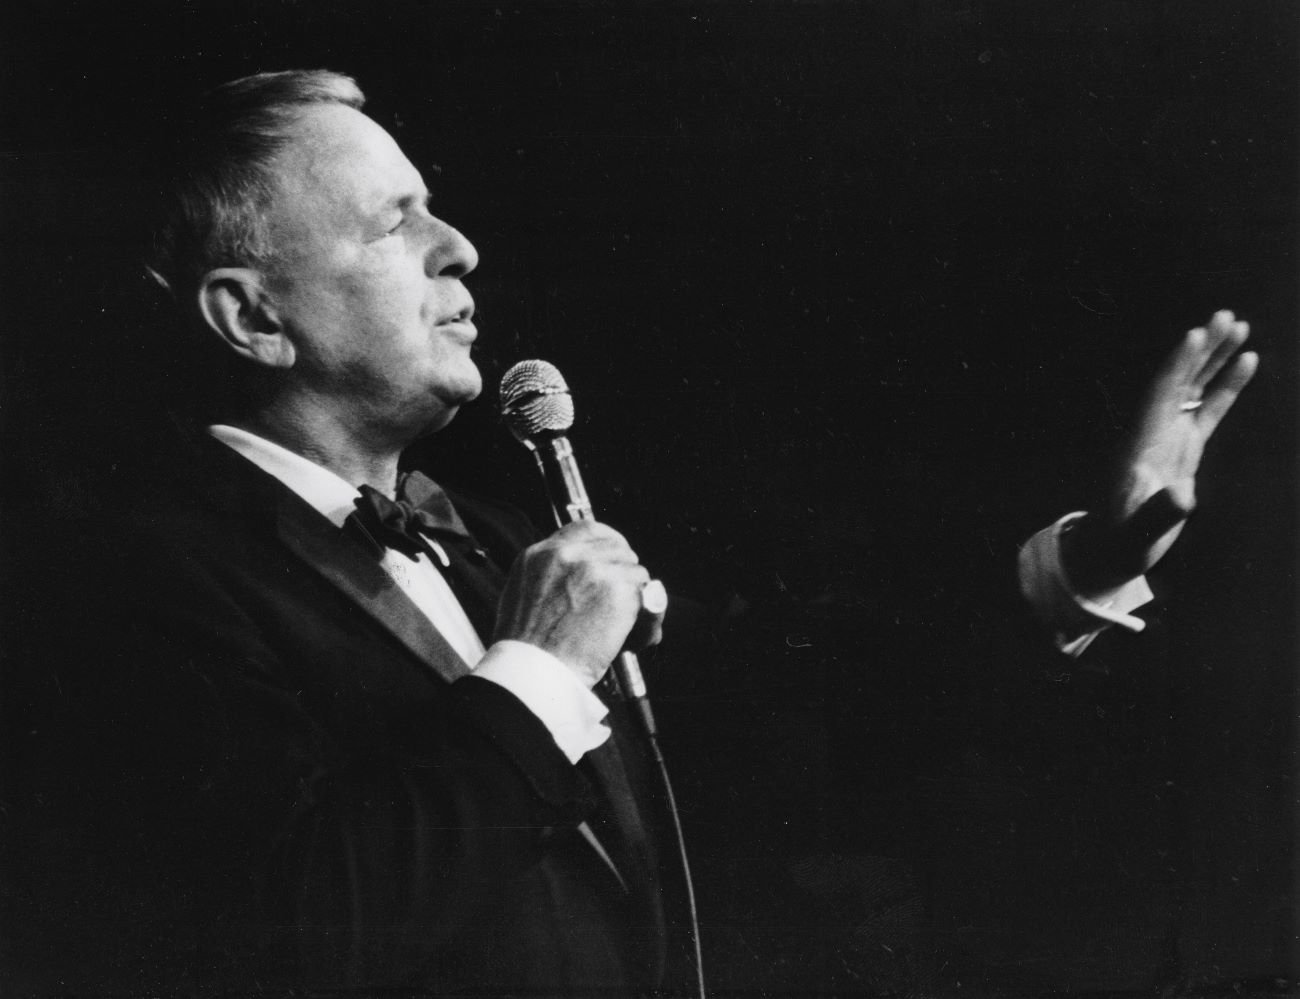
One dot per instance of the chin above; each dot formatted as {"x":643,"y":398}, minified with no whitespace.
{"x":465,"y":390}
{"x":449,"y":401}
{"x":458,"y":381}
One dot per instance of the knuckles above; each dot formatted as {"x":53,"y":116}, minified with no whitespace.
{"x":579,"y":547}
{"x":584,"y":566}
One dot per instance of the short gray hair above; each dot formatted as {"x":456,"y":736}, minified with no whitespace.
{"x":211,"y":209}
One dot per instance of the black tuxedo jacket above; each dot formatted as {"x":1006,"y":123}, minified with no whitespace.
{"x":277,"y":774}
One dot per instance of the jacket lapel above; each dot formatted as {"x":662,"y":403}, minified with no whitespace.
{"x":231,"y":482}
{"x":354,"y":570}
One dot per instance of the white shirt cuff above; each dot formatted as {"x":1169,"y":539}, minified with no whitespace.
{"x":1075,"y":620}
{"x":571,"y":713}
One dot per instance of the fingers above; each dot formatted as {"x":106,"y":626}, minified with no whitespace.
{"x":1176,"y":378}
{"x":1224,"y":393}
{"x":648,"y":629}
{"x":585,"y":540}
{"x":598,"y":552}
{"x":654,"y":598}
{"x":576,"y":594}
{"x":591,"y":531}
{"x":1201,"y":354}
{"x":1224,"y":337}
{"x":1201,"y":370}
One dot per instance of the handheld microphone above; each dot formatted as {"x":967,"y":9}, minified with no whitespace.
{"x":538,"y":410}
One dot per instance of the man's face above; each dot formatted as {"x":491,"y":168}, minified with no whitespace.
{"x":367,"y":282}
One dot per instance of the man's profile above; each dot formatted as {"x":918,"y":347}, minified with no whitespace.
{"x":313,"y":750}
{"x":334,"y":756}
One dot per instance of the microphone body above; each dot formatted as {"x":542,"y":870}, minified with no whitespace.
{"x":536,"y":405}
{"x":537,"y":408}
{"x":569,"y":502}
{"x":559,"y":467}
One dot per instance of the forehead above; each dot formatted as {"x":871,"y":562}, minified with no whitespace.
{"x":340,"y":163}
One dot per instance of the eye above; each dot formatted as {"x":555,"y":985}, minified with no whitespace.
{"x":391,"y":230}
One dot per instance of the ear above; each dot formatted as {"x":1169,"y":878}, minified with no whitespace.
{"x":236,"y":306}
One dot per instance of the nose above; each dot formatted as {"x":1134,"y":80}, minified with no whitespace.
{"x":450,"y":253}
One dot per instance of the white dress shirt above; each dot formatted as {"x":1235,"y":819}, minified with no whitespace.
{"x":571,"y":713}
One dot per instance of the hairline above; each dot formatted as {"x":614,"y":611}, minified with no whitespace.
{"x":216,"y":216}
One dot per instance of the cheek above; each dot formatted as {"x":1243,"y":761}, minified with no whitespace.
{"x":377,"y":316}
{"x":393,"y":296}
{"x":366,"y":313}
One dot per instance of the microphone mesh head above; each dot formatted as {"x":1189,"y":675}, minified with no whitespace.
{"x":535,"y":400}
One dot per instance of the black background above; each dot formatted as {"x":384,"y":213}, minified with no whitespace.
{"x":852,"y":297}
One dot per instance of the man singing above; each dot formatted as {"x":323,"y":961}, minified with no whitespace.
{"x":340,"y":728}
{"x":337,"y":752}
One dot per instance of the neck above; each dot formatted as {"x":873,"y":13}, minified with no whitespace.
{"x":331,"y":443}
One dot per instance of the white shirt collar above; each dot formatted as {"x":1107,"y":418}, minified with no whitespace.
{"x":326,"y":492}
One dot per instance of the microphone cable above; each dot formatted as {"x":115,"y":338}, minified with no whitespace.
{"x":538,"y":410}
{"x":670,"y":800}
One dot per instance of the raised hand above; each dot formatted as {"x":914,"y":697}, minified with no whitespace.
{"x":1155,"y":489}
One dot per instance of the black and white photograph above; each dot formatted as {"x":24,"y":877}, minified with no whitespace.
{"x":698,"y":499}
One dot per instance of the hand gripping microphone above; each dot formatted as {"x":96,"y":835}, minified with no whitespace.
{"x":538,"y":410}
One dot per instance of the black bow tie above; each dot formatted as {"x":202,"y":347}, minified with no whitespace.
{"x":420,"y":514}
{"x":422,"y":519}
